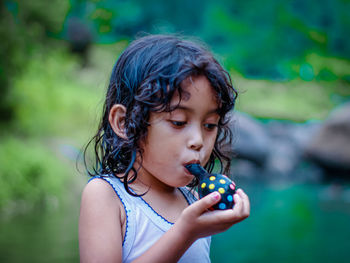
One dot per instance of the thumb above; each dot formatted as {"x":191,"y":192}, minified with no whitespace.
{"x":202,"y":205}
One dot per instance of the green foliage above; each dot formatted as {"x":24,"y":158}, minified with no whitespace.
{"x":260,"y":39}
{"x":49,"y":98}
{"x":51,"y":102}
{"x":299,"y":51}
{"x":29,"y":172}
{"x":24,"y":26}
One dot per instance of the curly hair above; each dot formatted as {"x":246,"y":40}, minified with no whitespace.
{"x":144,"y":80}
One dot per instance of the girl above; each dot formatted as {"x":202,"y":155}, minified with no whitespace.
{"x":166,"y":107}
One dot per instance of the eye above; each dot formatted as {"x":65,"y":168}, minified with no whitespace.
{"x":210,"y":126}
{"x":178,"y":124}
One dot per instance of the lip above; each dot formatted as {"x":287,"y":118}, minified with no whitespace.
{"x":191,"y":162}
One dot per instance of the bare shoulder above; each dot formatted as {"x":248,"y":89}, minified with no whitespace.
{"x":100,"y":202}
{"x":98,"y":190}
{"x":100,"y":223}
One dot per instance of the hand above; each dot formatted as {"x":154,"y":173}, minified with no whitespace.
{"x":197,"y":221}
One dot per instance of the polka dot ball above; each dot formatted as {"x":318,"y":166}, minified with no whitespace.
{"x":209,"y":183}
{"x":222,"y":206}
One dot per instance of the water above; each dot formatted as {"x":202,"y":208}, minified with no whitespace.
{"x":288,"y":223}
{"x":49,"y":235}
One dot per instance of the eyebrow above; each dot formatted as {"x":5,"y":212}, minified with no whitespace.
{"x":216,"y":110}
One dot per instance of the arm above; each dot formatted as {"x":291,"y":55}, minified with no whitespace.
{"x":100,"y":225}
{"x":100,"y":231}
{"x":196,"y":222}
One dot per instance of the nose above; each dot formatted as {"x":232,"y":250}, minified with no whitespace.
{"x":195,"y":141}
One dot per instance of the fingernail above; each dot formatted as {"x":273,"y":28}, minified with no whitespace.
{"x":215,"y":196}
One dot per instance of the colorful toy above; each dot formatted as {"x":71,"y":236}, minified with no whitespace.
{"x":209,"y":183}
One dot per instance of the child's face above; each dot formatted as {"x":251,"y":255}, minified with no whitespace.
{"x":182,"y":136}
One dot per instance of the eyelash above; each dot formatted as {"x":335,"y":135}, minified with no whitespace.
{"x":180,"y":124}
{"x":210,"y":126}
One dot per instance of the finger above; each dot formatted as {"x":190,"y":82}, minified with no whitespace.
{"x":237,"y":209}
{"x":202,"y":205}
{"x":230,"y":216}
{"x":246,"y":202}
{"x":241,"y":193}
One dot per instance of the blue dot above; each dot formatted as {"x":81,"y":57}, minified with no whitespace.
{"x":229,"y":198}
{"x":222,"y":206}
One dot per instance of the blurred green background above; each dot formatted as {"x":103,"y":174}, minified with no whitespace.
{"x":290,"y":60}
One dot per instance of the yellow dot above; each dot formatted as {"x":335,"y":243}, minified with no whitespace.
{"x":211,"y":186}
{"x":221,"y":190}
{"x":203,"y":185}
{"x":222,"y":181}
{"x":212,"y":178}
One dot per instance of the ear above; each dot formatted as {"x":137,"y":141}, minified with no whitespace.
{"x":116,"y":119}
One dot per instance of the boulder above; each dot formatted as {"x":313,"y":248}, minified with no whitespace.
{"x":288,"y":140}
{"x":330,"y":146}
{"x":272,"y":150}
{"x":250,"y":139}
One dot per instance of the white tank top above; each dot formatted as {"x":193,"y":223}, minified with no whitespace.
{"x":144,"y":226}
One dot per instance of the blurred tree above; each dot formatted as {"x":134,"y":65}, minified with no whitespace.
{"x":24,"y":26}
{"x":80,"y":38}
{"x":261,"y":39}
{"x":258,"y":38}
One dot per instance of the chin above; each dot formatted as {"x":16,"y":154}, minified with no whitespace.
{"x":188,"y":181}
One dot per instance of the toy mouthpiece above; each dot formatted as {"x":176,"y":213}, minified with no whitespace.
{"x":196,"y":169}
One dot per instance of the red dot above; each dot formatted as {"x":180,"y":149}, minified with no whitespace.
{"x":232,"y":186}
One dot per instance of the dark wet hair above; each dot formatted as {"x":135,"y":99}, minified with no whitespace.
{"x":144,"y":79}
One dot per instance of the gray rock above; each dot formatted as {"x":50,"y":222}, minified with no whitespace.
{"x":288,"y":141}
{"x":251,"y":141}
{"x":330,"y":147}
{"x":271,"y":150}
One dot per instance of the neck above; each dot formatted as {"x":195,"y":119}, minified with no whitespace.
{"x":146,"y":182}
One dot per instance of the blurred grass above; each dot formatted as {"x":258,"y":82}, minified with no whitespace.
{"x":306,"y":96}
{"x":295,"y":100}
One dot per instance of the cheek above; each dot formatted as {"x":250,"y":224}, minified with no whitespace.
{"x":158,"y":149}
{"x":212,"y":139}
{"x":209,"y":147}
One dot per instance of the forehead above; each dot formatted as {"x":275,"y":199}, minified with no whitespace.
{"x":195,"y":89}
